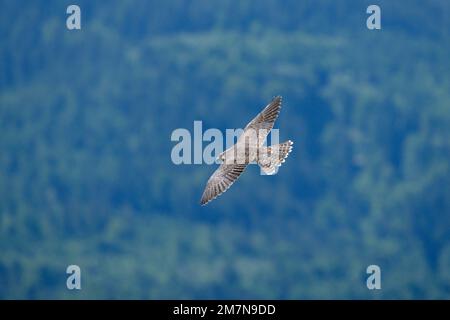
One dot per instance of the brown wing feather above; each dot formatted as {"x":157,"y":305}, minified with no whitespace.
{"x":261,"y":125}
{"x":221,"y":180}
{"x":266,"y":118}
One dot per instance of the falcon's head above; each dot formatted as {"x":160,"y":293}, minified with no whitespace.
{"x":221,"y":158}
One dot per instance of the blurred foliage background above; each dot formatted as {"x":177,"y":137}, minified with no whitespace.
{"x":86,"y":176}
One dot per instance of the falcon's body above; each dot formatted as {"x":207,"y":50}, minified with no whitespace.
{"x":239,"y":153}
{"x":248,"y":149}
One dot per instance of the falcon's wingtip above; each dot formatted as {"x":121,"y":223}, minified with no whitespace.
{"x":277,"y":98}
{"x":203,"y":201}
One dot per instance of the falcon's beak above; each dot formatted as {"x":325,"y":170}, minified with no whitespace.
{"x":220,"y":158}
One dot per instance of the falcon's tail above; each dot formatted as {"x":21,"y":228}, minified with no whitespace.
{"x":272,"y":157}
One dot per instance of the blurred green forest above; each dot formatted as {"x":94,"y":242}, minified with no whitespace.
{"x":86,"y":176}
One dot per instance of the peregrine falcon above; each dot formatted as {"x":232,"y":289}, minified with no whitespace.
{"x":249,"y":149}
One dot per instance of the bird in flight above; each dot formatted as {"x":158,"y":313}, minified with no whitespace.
{"x":249,"y":149}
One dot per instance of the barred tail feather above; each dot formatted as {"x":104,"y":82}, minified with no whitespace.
{"x":272,"y":157}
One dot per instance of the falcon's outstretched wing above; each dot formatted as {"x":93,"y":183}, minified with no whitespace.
{"x":221,"y":180}
{"x":261,"y":125}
